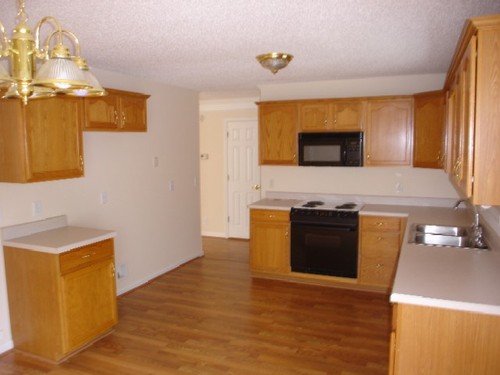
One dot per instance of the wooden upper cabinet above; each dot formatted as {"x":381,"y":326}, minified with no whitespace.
{"x":42,"y":140}
{"x":117,"y":111}
{"x":472,"y":112}
{"x":332,"y":115}
{"x":461,"y":122}
{"x":389,"y":132}
{"x":278,"y":124}
{"x":429,"y":130}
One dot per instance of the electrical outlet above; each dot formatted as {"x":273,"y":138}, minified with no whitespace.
{"x":36,"y":208}
{"x":171,"y":185}
{"x":103,"y":197}
{"x":121,"y":271}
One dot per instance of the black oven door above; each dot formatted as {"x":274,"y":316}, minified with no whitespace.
{"x":324,"y":250}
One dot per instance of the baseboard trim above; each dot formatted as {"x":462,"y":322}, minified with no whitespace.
{"x":214,"y":234}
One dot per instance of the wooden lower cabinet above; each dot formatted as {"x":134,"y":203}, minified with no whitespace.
{"x":380,"y":242}
{"x":436,"y":341}
{"x":59,"y":303}
{"x":270,"y":241}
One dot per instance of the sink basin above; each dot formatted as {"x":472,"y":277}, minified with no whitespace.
{"x":441,"y":240}
{"x":443,"y":235}
{"x":444,"y":230}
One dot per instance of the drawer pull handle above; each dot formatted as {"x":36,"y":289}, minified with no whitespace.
{"x":379,"y":238}
{"x":379,"y":223}
{"x":87,"y":255}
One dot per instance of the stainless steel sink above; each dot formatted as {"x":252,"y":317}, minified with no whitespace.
{"x":444,"y":230}
{"x":444,"y":235}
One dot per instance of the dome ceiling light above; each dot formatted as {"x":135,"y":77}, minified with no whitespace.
{"x":274,"y":61}
{"x":60,"y":72}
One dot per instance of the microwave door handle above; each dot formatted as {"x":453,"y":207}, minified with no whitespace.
{"x":344,"y":156}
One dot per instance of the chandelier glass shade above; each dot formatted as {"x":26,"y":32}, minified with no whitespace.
{"x":274,"y":61}
{"x":60,"y":71}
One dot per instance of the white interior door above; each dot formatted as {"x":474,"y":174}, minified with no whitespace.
{"x":243,"y":174}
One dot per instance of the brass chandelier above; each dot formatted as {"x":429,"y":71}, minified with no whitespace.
{"x":60,"y":72}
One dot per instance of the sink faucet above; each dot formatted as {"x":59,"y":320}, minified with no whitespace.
{"x":457,"y":203}
{"x":477,"y":231}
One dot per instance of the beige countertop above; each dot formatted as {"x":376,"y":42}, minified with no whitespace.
{"x":275,"y":204}
{"x":59,"y":240}
{"x":443,"y":277}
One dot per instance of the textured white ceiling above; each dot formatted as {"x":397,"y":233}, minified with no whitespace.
{"x":210,"y":45}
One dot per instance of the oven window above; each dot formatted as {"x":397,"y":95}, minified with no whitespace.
{"x":322,"y":153}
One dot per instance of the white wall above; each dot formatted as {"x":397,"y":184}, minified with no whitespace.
{"x":157,"y":229}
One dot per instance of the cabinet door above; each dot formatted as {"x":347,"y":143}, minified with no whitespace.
{"x":389,"y":132}
{"x":278,"y":134}
{"x":348,"y":115}
{"x":429,"y":132}
{"x":54,"y":138}
{"x":102,"y":113}
{"x":269,"y":241}
{"x":133,"y":116}
{"x":89,"y":302}
{"x":465,"y":122}
{"x":314,"y":116}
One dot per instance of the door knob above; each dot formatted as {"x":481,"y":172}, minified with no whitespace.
{"x":256,"y":187}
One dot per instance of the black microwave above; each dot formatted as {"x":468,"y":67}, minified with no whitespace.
{"x":331,"y":149}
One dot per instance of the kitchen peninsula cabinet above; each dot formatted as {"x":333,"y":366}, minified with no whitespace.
{"x":380,"y":242}
{"x":332,"y":115}
{"x":473,"y":94}
{"x":59,"y":303}
{"x":389,"y":132}
{"x":42,"y":140}
{"x":118,"y":111}
{"x":429,"y":130}
{"x":278,"y":124}
{"x":435,"y":341}
{"x":270,"y":241}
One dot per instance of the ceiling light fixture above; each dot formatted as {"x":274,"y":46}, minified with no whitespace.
{"x":59,"y":73}
{"x":274,"y":61}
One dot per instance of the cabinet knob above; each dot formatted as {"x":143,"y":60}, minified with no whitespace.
{"x":379,"y":223}
{"x":124,"y":120}
{"x":256,"y":187}
{"x":116,"y":117}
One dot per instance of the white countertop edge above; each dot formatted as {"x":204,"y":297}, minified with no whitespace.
{"x":363,"y":212}
{"x":61,"y":249}
{"x":445,"y":304}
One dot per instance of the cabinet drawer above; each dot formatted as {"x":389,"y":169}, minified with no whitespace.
{"x":270,"y":215}
{"x":85,"y":256}
{"x":380,"y":241}
{"x":380,"y":223}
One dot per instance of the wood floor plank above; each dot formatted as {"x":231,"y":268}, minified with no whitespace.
{"x":210,"y":317}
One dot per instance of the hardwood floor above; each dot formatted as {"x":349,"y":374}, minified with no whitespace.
{"x":210,"y":317}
